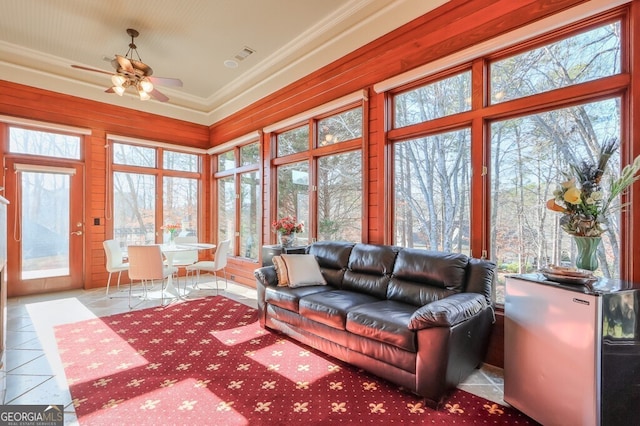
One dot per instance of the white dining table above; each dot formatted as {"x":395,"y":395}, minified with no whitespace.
{"x":169,"y":251}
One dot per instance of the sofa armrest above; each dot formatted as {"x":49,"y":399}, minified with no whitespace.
{"x":449,"y":311}
{"x":266,"y":276}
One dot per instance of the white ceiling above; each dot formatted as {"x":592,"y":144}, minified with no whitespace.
{"x":189,"y":40}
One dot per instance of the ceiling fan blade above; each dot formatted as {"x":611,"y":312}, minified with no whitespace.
{"x":158,"y":96}
{"x":80,"y":67}
{"x":110,"y":90}
{"x":166,"y":81}
{"x":125,"y":64}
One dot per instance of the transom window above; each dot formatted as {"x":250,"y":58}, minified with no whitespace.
{"x":47,"y":144}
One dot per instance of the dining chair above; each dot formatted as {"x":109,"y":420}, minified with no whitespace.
{"x":146,"y":264}
{"x":218,"y":263}
{"x":114,"y":261}
{"x":182,"y":259}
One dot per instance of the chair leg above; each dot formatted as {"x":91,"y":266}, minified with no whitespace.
{"x":119,"y":275}
{"x":226,"y":282}
{"x":197,"y":284}
{"x":108,"y":284}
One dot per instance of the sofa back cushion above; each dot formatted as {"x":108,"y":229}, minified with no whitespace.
{"x":422,"y":276}
{"x":333,"y":259}
{"x":369,"y":270}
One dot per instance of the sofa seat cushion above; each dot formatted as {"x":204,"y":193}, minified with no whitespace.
{"x":385,"y":321}
{"x":288,"y":298}
{"x":331,"y":307}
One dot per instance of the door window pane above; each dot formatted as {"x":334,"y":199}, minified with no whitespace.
{"x":292,"y":141}
{"x":249,"y":214}
{"x":227,"y":210}
{"x":134,"y":204}
{"x":45,"y":224}
{"x":578,"y":59}
{"x":449,"y":96}
{"x":432,"y":190}
{"x":340,"y":197}
{"x":340,"y":127}
{"x":528,"y":156}
{"x":33,"y":142}
{"x":133,"y":155}
{"x":293,"y":194}
{"x":180,"y":198}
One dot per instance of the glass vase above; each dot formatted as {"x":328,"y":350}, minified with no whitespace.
{"x":587,"y":257}
{"x":286,"y":240}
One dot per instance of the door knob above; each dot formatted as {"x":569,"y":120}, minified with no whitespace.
{"x":76,"y":233}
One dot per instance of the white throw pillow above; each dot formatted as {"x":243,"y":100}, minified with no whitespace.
{"x":303,"y":270}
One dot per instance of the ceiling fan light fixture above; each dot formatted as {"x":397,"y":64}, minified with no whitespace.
{"x":118,"y":80}
{"x":144,"y":96}
{"x":146,"y":86}
{"x":132,"y":72}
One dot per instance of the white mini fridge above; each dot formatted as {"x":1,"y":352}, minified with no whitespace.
{"x":572,"y":352}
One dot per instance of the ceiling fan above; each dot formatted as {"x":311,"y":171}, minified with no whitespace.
{"x":132,"y":72}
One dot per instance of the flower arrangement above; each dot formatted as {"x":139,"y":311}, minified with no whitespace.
{"x":173,"y":229}
{"x":581,"y":198}
{"x":287,"y":225}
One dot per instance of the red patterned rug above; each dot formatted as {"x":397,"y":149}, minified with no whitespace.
{"x":208,"y":362}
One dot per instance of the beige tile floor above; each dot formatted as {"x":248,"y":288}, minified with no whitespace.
{"x":34,"y":374}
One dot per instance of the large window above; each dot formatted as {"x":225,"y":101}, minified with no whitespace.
{"x":140,"y":211}
{"x":432,"y":192}
{"x":432,"y":173}
{"x":319,"y":176}
{"x":239,"y":194}
{"x":529,"y":156}
{"x":482,"y":188}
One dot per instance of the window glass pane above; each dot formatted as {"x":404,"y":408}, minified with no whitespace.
{"x":432,"y":180}
{"x":578,"y":59}
{"x":296,"y":140}
{"x":180,"y":161}
{"x":180,"y":198}
{"x":293,"y":194}
{"x":444,"y":97}
{"x":250,"y":154}
{"x":45,"y":207}
{"x":133,"y":155}
{"x":226,"y":161}
{"x":528,"y":156}
{"x":249,"y":214}
{"x":134,"y":204}
{"x":227,"y":210}
{"x":340,"y":197}
{"x":340,"y":127}
{"x":33,"y":142}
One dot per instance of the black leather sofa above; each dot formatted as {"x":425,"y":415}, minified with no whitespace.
{"x":420,"y":319}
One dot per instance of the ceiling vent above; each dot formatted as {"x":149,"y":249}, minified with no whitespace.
{"x":244,"y":53}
